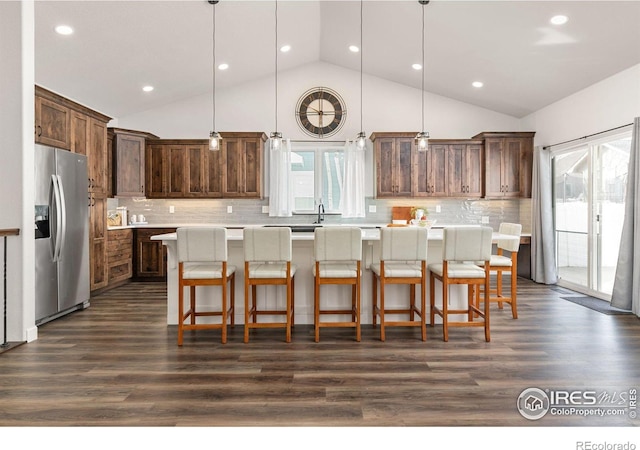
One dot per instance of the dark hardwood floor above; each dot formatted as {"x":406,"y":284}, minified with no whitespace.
{"x":117,"y":364}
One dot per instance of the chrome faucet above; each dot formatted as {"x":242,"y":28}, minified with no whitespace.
{"x":320,"y":212}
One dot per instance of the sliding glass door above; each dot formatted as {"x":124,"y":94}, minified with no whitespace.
{"x":589,"y":185}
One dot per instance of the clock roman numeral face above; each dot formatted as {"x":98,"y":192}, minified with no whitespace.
{"x":321,"y":112}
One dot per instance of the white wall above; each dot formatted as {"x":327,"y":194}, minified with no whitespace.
{"x":16,"y":169}
{"x":608,"y":104}
{"x":388,"y":106}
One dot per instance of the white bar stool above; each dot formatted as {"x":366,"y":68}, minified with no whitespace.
{"x":338,"y":257}
{"x":462,"y":248}
{"x":267,"y":261}
{"x":202,"y":258}
{"x":403,"y":260}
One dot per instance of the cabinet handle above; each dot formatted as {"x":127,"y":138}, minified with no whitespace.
{"x":506,"y":188}
{"x":39,"y":131}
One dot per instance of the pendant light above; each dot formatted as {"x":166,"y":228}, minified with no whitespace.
{"x":422,"y":138}
{"x":276,"y":136}
{"x":214,"y":136}
{"x":361,"y":138}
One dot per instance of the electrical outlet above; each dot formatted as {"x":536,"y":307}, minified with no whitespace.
{"x":229,"y":209}
{"x":438,"y":209}
{"x":265,"y":210}
{"x":372,"y":208}
{"x":172,"y":209}
{"x":485,"y":219}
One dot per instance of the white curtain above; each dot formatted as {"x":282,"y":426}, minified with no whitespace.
{"x":352,"y":200}
{"x":280,"y":181}
{"x":626,"y":285}
{"x":543,"y":260}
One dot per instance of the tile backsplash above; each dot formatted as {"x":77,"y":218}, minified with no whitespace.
{"x":244,"y":211}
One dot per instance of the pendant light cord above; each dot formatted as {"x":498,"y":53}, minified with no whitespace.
{"x":276,"y":48}
{"x":214,"y":69}
{"x":423,"y":68}
{"x":361,"y":50}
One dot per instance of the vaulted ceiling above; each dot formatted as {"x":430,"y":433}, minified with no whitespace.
{"x":524,"y":61}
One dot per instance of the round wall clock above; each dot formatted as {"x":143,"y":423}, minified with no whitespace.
{"x":321,"y":112}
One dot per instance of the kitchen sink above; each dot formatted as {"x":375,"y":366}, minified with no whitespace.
{"x":306,"y":228}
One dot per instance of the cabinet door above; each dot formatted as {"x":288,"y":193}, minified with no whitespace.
{"x":404,"y":167}
{"x":421,"y":174}
{"x":157,"y":171}
{"x":385,"y":166}
{"x":493,"y":167}
{"x":511,"y":167}
{"x":195,"y":170}
{"x":233,"y":168}
{"x":213,"y":174}
{"x":150,"y":256}
{"x":176,"y":168}
{"x":251,"y":166}
{"x":457,"y":180}
{"x":526,"y":167}
{"x":128,"y":159}
{"x":80,"y":132}
{"x":98,"y":241}
{"x":473,"y":170}
{"x":438,"y":170}
{"x":97,"y":157}
{"x":53,"y":124}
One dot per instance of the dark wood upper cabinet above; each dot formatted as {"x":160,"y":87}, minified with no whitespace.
{"x":395,"y":154}
{"x":508,"y":163}
{"x":80,"y":132}
{"x":464,"y":170}
{"x":53,"y":123}
{"x":127,"y":156}
{"x":490,"y":165}
{"x":436,"y":159}
{"x":186,"y":168}
{"x":242,"y":156}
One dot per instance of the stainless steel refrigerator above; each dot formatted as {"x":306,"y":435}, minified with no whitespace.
{"x":61,"y":233}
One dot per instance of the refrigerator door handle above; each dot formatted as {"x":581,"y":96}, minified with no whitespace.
{"x":63,"y":207}
{"x":54,"y":201}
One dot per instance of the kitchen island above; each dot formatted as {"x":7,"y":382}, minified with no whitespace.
{"x":304,"y":260}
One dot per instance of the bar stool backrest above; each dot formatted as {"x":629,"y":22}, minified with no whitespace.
{"x":403,"y":244}
{"x":202,"y":244}
{"x":466,"y":243}
{"x":512,"y":229}
{"x":338,"y":244}
{"x":267,"y":244}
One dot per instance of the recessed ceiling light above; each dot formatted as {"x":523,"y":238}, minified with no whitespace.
{"x":285,"y":48}
{"x":354,"y":48}
{"x":417,"y":66}
{"x":477,"y":84}
{"x":147,"y":88}
{"x":64,"y":30}
{"x":223,"y":66}
{"x":559,"y":20}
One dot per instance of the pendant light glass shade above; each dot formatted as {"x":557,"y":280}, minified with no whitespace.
{"x":361,"y":140}
{"x":214,"y":137}
{"x":276,"y":140}
{"x":214,"y":141}
{"x":422,"y":138}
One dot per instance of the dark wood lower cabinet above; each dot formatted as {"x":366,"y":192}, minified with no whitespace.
{"x":119,"y":256}
{"x":150,"y":257}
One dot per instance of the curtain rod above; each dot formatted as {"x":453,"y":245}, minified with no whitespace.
{"x":547,"y":147}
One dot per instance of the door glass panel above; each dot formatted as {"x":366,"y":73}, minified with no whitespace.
{"x":572,"y":216}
